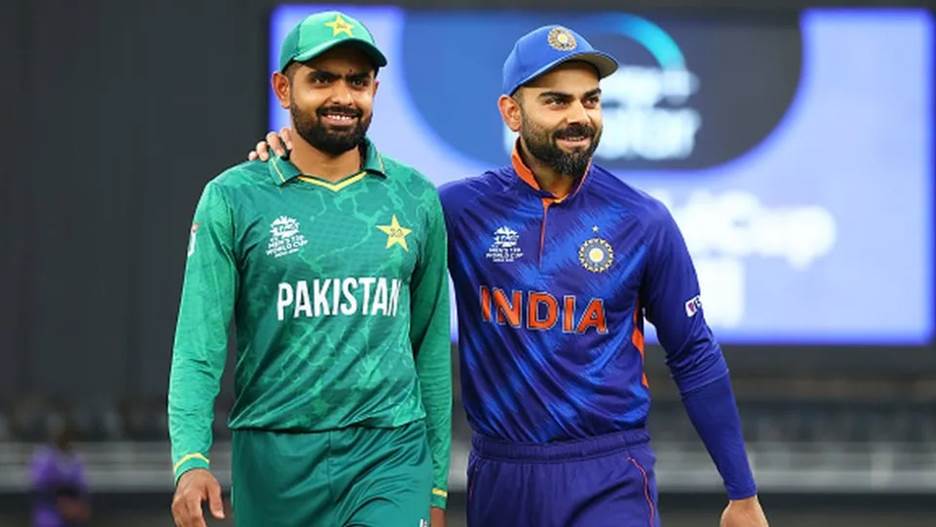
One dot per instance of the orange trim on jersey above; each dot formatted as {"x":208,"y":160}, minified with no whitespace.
{"x":637,"y":338}
{"x":650,"y":505}
{"x":546,"y":203}
{"x":522,"y":170}
{"x":527,"y":176}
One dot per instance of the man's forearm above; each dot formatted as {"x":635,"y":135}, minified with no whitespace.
{"x":714,"y":413}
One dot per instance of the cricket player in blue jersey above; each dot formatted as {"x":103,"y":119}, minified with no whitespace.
{"x":556,"y":265}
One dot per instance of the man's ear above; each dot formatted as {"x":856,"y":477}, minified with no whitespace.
{"x":510,"y":112}
{"x":281,"y":87}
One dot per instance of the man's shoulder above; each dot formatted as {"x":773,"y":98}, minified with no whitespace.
{"x":459,"y":194}
{"x":650,"y":210}
{"x":248,"y":173}
{"x":406,"y":174}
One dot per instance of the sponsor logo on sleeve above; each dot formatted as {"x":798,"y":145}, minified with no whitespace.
{"x":693,"y":305}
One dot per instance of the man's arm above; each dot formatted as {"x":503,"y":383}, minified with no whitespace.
{"x":670,"y":295}
{"x":431,"y":339}
{"x":200,"y":349}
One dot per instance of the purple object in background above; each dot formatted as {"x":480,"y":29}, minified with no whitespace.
{"x":56,"y":475}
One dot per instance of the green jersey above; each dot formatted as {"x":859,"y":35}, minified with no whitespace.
{"x":339,"y":296}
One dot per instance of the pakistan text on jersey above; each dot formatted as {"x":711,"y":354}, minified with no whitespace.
{"x":365,"y":296}
{"x":543,"y":311}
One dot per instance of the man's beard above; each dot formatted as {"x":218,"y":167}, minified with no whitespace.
{"x":311,"y":128}
{"x":542,"y":145}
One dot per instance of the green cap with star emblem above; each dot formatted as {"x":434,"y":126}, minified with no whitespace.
{"x":322,"y":31}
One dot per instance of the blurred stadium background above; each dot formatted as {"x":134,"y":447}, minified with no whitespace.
{"x":116,"y":113}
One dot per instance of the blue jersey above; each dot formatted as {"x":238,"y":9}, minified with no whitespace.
{"x":552,"y":295}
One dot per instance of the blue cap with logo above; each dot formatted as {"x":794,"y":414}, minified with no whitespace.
{"x":545,"y":48}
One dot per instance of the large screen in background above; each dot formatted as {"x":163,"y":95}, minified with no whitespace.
{"x":796,"y":153}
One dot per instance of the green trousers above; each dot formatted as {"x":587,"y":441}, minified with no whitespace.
{"x":352,"y":477}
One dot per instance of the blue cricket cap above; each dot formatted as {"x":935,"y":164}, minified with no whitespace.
{"x":545,"y":48}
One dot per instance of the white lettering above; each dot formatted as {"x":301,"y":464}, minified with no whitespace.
{"x":336,"y":295}
{"x":303,"y":305}
{"x":735,"y":223}
{"x":394,"y":296}
{"x":284,"y":297}
{"x":380,"y":297}
{"x":367,"y":283}
{"x":321,"y":302}
{"x":350,"y":307}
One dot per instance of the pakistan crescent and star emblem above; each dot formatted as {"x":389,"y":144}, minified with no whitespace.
{"x":396,"y":233}
{"x":339,"y":25}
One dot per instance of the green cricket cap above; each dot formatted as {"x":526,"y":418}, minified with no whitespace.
{"x":320,"y":32}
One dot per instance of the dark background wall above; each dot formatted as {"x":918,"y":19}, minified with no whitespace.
{"x":113,"y":115}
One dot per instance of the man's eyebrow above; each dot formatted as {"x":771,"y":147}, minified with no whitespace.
{"x":592,"y":93}
{"x":331,"y":76}
{"x":557,"y":94}
{"x":323,"y":74}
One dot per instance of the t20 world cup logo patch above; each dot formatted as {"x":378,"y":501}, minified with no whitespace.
{"x":505,"y":248}
{"x":285,"y":237}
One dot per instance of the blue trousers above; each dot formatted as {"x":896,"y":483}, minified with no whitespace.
{"x":604,"y":481}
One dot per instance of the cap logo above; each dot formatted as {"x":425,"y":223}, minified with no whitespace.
{"x":339,"y":25}
{"x":560,"y":38}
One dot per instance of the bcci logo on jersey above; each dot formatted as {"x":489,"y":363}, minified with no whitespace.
{"x":596,"y":255}
{"x":285,"y":237}
{"x":504,"y":249}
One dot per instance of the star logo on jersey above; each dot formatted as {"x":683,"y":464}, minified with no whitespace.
{"x":339,"y":25}
{"x":596,"y":255}
{"x":285,"y":238}
{"x":396,"y":233}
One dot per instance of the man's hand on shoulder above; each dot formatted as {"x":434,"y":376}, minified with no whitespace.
{"x":196,"y":486}
{"x":280,"y":144}
{"x":744,"y":513}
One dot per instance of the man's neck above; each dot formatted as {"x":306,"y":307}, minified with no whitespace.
{"x":310,"y":160}
{"x":549,"y":179}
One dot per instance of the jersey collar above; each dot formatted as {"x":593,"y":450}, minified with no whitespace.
{"x":282,"y":171}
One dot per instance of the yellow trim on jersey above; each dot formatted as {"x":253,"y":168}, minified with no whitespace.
{"x":196,"y":455}
{"x":277,"y":169}
{"x":334,"y":187}
{"x":440,"y":492}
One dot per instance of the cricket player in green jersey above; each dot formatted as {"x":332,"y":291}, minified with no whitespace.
{"x":332,"y":265}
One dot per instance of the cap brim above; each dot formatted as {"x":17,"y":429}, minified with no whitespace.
{"x":369,"y":49}
{"x":604,"y":63}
